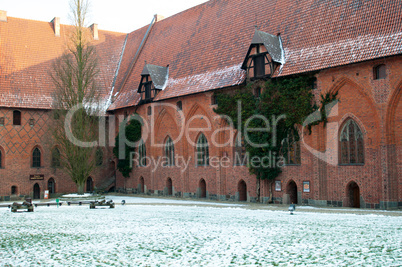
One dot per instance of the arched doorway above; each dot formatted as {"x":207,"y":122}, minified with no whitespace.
{"x":291,"y":190}
{"x":14,"y":190}
{"x":90,"y":185}
{"x":242,"y":189}
{"x":353,"y":192}
{"x":51,"y":186}
{"x":36,"y":191}
{"x":169,"y":185}
{"x":142,"y":185}
{"x":203,"y":188}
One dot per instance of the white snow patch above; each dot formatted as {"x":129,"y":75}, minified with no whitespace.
{"x":163,"y":235}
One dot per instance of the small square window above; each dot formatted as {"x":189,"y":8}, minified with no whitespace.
{"x":31,"y":122}
{"x":179,"y":105}
{"x":214,"y":100}
{"x":314,"y":83}
{"x":1,"y":121}
{"x":16,"y":117}
{"x":380,"y":72}
{"x":149,"y":110}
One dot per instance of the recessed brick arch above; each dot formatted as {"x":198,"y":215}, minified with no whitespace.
{"x":202,"y":185}
{"x":89,"y":185}
{"x":291,"y":190}
{"x":169,"y":186}
{"x":394,"y":104}
{"x":352,"y":195}
{"x":36,"y":191}
{"x":242,"y":189}
{"x":161,"y":117}
{"x":343,"y":81}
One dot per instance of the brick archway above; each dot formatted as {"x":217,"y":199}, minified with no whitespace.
{"x":353,"y":195}
{"x":242,"y":189}
{"x":169,"y":185}
{"x":90,"y":185}
{"x":203,"y":188}
{"x":36,"y":191}
{"x":291,"y":190}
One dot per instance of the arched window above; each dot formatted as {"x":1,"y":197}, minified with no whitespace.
{"x":202,"y":151}
{"x":36,"y":158}
{"x":239,"y":155}
{"x":55,"y":157}
{"x":380,"y":72}
{"x":291,"y":149}
{"x":142,"y":154}
{"x":169,"y":152}
{"x":351,"y":144}
{"x":99,"y":157}
{"x":16,"y":117}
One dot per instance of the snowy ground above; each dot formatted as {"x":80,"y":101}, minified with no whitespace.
{"x":168,"y":234}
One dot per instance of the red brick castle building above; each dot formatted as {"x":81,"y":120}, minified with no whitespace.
{"x":168,"y":72}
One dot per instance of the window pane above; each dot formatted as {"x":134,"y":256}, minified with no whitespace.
{"x":202,"y":151}
{"x":259,"y":66}
{"x":16,"y":117}
{"x":36,"y":158}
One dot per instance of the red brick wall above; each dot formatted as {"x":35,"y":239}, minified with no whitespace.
{"x":363,"y":99}
{"x":18,"y":142}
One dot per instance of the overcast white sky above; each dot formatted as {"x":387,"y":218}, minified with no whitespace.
{"x":114,"y":15}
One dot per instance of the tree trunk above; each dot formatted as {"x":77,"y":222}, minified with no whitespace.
{"x":80,"y":188}
{"x":258,"y":189}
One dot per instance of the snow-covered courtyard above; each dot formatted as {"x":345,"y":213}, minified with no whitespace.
{"x":158,"y":232}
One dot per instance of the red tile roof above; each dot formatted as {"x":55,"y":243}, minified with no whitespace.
{"x":27,"y":50}
{"x":205,"y":45}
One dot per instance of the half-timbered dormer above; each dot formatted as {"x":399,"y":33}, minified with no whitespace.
{"x":264,"y":56}
{"x":153,"y":79}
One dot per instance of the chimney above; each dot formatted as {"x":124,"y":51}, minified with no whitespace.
{"x":158,"y":17}
{"x":94,"y":28}
{"x":3,"y":15}
{"x":56,"y":26}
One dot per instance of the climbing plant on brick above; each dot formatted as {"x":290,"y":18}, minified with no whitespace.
{"x":283,"y":104}
{"x":129,"y":133}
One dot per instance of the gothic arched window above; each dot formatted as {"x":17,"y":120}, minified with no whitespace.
{"x":202,"y":151}
{"x":169,"y":151}
{"x":351,"y":144}
{"x":36,"y":158}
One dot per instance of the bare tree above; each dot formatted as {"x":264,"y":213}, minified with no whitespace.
{"x":76,"y":100}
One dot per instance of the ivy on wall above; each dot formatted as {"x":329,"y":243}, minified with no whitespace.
{"x":278,"y":106}
{"x":130,"y":132}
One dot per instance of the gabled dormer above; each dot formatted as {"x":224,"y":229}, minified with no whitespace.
{"x":153,"y":80}
{"x":264,"y":55}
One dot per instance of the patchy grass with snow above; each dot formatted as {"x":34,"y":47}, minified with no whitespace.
{"x":195,"y":235}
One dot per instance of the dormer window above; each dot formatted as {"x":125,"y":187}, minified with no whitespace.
{"x":153,"y":80}
{"x":259,"y":65}
{"x":265,"y":54}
